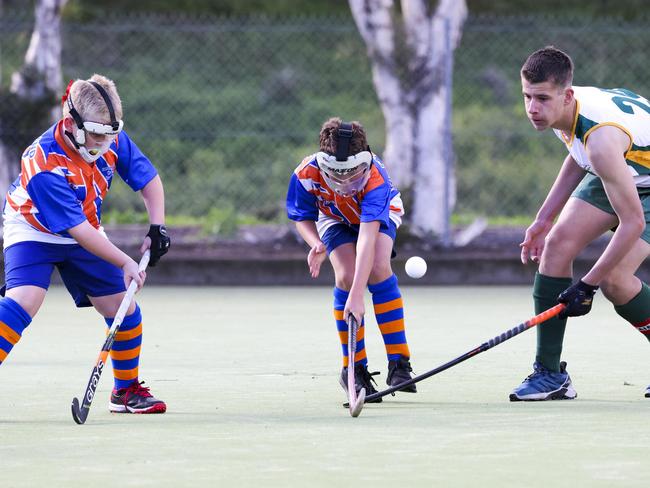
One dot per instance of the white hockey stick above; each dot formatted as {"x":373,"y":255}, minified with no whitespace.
{"x":356,"y":402}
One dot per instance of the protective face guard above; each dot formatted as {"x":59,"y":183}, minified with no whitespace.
{"x":103,"y":129}
{"x":345,"y":177}
{"x":79,"y":135}
{"x":90,"y":155}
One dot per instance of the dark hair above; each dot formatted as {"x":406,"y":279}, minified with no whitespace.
{"x":329,"y":137}
{"x":548,"y":64}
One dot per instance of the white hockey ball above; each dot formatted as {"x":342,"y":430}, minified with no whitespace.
{"x":415,"y":267}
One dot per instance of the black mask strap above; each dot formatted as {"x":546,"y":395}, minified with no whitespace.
{"x":343,"y":142}
{"x":114,"y":123}
{"x":75,"y":115}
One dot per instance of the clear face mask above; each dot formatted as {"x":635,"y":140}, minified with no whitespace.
{"x":345,"y":178}
{"x":79,"y":134}
{"x":90,"y":155}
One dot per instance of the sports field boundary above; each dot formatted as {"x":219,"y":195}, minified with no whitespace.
{"x":272,"y":255}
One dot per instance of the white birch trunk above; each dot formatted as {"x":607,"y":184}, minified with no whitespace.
{"x":41,"y":71}
{"x":416,"y":109}
{"x":5,"y":158}
{"x":375,"y":23}
{"x":40,"y":75}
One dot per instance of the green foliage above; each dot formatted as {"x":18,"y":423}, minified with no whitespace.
{"x":627,"y":9}
{"x":227,"y":108}
{"x":92,"y":9}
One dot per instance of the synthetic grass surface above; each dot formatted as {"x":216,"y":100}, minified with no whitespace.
{"x":250,"y":380}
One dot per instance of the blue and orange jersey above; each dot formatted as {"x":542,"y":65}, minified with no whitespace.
{"x":310,"y":198}
{"x":57,"y":190}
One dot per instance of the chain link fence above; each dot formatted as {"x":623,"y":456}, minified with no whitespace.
{"x":226,"y":108}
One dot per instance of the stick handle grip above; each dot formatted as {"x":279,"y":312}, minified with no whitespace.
{"x":537,"y":319}
{"x":130,"y":291}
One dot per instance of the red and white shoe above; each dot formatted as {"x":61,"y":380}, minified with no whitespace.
{"x":135,"y":399}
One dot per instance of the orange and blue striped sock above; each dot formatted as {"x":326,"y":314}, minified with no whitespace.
{"x":13,"y":321}
{"x":360,"y":357}
{"x":389,"y":311}
{"x":125,"y":354}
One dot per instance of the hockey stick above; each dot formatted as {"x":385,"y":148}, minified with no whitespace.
{"x":80,"y":413}
{"x":356,"y":403}
{"x":524,"y":326}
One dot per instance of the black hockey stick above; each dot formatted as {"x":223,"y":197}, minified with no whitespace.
{"x":80,"y":412}
{"x":524,"y":326}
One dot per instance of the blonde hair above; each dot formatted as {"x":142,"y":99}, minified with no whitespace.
{"x":89,"y":102}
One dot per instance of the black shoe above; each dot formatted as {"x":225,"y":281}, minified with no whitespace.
{"x":135,"y":399}
{"x":399,"y":371}
{"x":363,"y":379}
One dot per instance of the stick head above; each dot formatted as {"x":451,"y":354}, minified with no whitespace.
{"x":79,"y":415}
{"x":357,"y":406}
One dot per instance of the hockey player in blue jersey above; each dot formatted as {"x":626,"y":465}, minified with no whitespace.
{"x":52,"y":218}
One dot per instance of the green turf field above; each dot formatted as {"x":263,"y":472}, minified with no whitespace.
{"x":250,"y":379}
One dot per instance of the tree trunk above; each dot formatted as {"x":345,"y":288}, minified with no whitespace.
{"x":5,"y":176}
{"x":40,"y":77}
{"x":411,"y":70}
{"x":41,"y":72}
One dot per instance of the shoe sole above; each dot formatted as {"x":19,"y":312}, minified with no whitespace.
{"x":556,"y":395}
{"x":157,"y":408}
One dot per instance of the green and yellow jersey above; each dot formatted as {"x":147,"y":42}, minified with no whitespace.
{"x":617,"y":107}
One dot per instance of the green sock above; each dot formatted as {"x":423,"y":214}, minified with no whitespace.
{"x":550,"y":334}
{"x":637,"y":311}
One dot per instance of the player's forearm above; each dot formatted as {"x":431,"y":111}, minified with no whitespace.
{"x":567,"y":180}
{"x":153,"y":195}
{"x":94,"y":242}
{"x":365,"y":256}
{"x":307,"y":230}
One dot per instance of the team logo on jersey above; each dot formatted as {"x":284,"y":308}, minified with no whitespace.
{"x":79,"y":191}
{"x":106,"y":170}
{"x":320,"y":188}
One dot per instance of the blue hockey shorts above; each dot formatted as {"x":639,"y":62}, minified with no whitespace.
{"x":83,"y":273}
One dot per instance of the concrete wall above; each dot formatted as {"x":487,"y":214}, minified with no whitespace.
{"x":275,"y":256}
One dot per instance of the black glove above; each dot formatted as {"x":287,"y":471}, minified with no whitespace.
{"x":577,"y":298}
{"x":160,"y":242}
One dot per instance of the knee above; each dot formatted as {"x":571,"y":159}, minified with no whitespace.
{"x":559,"y":248}
{"x":615,"y":287}
{"x":344,"y":278}
{"x":559,"y":242}
{"x":381,"y":270}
